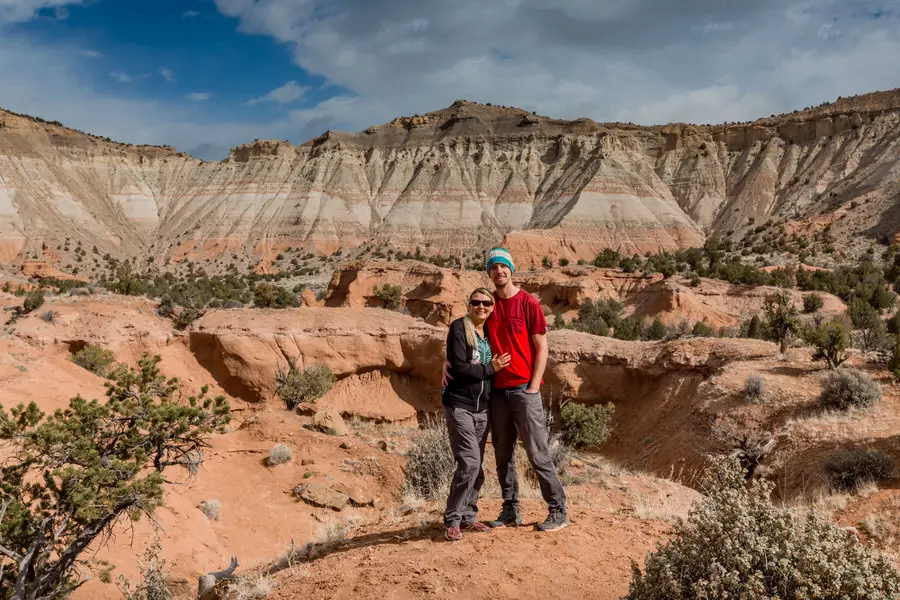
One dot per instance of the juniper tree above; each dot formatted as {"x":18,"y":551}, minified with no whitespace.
{"x":70,"y":477}
{"x":781,"y":318}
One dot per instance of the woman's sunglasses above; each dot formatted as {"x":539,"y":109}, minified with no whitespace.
{"x":484,"y":303}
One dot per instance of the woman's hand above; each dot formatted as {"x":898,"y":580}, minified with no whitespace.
{"x":500,"y":362}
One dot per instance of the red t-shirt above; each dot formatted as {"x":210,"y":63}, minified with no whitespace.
{"x":510,"y":328}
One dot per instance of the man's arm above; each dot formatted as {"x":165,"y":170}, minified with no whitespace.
{"x":541,"y":350}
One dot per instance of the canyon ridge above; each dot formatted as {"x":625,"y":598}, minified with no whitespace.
{"x":454,"y":181}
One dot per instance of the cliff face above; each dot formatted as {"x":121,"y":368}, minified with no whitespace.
{"x":469,"y":175}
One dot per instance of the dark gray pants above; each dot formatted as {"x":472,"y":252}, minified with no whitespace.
{"x":468,"y":435}
{"x":513,"y":412}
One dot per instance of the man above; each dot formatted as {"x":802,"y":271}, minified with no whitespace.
{"x":518,"y":327}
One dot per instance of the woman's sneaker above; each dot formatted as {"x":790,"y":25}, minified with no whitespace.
{"x":477,"y":527}
{"x":453,"y":534}
{"x":509,"y":516}
{"x":555,"y":521}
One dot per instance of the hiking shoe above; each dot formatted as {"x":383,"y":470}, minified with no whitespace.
{"x":477,"y":527}
{"x":555,"y":521}
{"x":453,"y":534}
{"x":509,"y":516}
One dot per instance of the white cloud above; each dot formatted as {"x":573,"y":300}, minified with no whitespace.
{"x":167,"y":74}
{"x":648,"y":61}
{"x":89,"y":53}
{"x":121,"y":77}
{"x":199,"y":96}
{"x":17,"y":11}
{"x":189,"y":14}
{"x":289,"y":92}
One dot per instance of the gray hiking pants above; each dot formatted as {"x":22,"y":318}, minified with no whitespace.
{"x":513,"y":412}
{"x":468,"y":435}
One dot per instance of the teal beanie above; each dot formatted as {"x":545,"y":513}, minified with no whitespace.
{"x":500,"y":255}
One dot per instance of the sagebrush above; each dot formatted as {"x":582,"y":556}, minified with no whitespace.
{"x":429,"y":461}
{"x":279,"y":454}
{"x":843,"y":389}
{"x":154,"y":581}
{"x":754,"y":389}
{"x":295,"y":387}
{"x":736,"y":544}
{"x":212,"y":509}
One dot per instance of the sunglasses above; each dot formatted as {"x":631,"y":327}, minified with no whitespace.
{"x":485,"y":303}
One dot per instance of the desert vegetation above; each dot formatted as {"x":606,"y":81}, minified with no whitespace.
{"x":768,"y":551}
{"x":75,"y":474}
{"x":295,"y":386}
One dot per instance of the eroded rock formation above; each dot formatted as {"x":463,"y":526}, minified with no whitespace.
{"x":467,"y":176}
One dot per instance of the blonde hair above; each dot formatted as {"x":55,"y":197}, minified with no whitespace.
{"x":471,"y":336}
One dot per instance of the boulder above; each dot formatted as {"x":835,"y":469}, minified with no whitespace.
{"x":328,"y":420}
{"x":321,"y":496}
{"x":357,"y":495}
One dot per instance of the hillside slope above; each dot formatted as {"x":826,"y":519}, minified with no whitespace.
{"x":469,"y":175}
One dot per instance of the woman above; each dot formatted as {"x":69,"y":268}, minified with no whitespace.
{"x":465,"y":402}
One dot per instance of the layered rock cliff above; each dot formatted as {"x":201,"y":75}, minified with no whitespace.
{"x":467,"y":176}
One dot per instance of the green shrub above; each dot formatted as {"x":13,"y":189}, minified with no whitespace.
{"x":702,"y":329}
{"x":429,"y":462}
{"x":597,"y":317}
{"x":830,"y":341}
{"x":586,"y":426}
{"x":391,"y":296}
{"x":166,"y":307}
{"x":812,"y":303}
{"x":295,"y":387}
{"x":736,"y":544}
{"x":564,"y":262}
{"x":95,"y":359}
{"x":630,"y":328}
{"x":848,"y":388}
{"x":607,"y":259}
{"x":861,"y":313}
{"x":893,"y":324}
{"x":754,"y":328}
{"x":849,"y":470}
{"x":894,"y":362}
{"x":657,"y":330}
{"x":268,"y":295}
{"x":34,"y":300}
{"x":186,"y":316}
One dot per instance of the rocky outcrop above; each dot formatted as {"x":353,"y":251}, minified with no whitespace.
{"x":601,"y":369}
{"x":243,"y":349}
{"x":438,"y":295}
{"x":435,"y":294}
{"x":466,"y":176}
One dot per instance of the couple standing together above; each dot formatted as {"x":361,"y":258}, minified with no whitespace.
{"x":496,"y":356}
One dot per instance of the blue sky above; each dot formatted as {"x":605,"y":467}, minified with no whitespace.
{"x":206,"y":75}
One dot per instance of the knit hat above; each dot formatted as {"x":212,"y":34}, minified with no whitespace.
{"x":500,"y":255}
